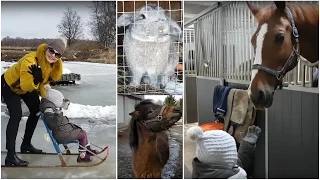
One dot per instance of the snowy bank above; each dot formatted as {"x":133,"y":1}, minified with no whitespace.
{"x":78,"y":111}
{"x":86,"y":111}
{"x":174,"y":88}
{"x":66,"y":71}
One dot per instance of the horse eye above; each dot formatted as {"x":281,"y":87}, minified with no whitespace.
{"x":279,"y":38}
{"x":142,"y":16}
{"x":151,"y":111}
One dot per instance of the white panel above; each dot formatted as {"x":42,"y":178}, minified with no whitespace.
{"x":120,"y":109}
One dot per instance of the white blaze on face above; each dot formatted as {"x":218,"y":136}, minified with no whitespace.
{"x":258,"y":55}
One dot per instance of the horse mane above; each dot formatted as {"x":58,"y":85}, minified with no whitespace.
{"x":306,"y":13}
{"x":144,"y":102}
{"x":151,"y":152}
{"x":133,"y":135}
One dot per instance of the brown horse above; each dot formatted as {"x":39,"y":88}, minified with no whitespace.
{"x":284,"y":33}
{"x":148,"y":139}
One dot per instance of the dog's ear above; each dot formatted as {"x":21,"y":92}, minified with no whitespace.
{"x":134,"y":114}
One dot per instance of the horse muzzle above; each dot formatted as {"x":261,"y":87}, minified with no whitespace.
{"x":161,"y":122}
{"x":177,"y":113}
{"x":175,"y":117}
{"x":262,"y":99}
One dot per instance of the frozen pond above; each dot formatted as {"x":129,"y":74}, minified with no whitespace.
{"x":93,"y":108}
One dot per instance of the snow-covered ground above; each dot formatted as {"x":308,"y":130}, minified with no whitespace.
{"x":170,"y":168}
{"x":78,"y":111}
{"x":89,"y":72}
{"x":174,"y":88}
{"x":85,"y":111}
{"x":66,"y":71}
{"x":93,"y":108}
{"x":6,"y":65}
{"x":74,"y":67}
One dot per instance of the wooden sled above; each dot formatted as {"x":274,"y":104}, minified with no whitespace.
{"x":67,"y":150}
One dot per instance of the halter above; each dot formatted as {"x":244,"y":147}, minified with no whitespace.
{"x":156,"y":123}
{"x":280,"y":74}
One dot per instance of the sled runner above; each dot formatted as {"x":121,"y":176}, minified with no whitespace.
{"x":66,"y":152}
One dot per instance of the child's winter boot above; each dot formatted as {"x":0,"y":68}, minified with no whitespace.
{"x":83,"y":156}
{"x":90,"y":151}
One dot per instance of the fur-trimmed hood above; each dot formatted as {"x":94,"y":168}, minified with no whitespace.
{"x":50,"y":72}
{"x":21,"y":82}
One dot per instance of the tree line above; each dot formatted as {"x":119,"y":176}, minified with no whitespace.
{"x":21,"y":42}
{"x":102,"y":26}
{"x":171,"y":101}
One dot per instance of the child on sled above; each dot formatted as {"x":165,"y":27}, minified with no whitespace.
{"x":62,"y":130}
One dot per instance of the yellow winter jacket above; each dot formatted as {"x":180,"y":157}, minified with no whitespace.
{"x":21,"y":82}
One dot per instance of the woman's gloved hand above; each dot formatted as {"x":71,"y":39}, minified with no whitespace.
{"x":36,"y":72}
{"x":252,"y":134}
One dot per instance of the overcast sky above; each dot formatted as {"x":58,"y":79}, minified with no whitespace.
{"x":39,"y":19}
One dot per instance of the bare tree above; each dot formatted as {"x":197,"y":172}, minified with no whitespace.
{"x":103,"y":22}
{"x":71,"y":25}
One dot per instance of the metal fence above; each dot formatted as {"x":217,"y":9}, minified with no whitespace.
{"x":148,"y":55}
{"x":222,"y":45}
{"x":189,"y":48}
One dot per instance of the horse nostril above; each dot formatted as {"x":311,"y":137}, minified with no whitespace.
{"x":268,"y":99}
{"x":261,"y":95}
{"x":261,"y":98}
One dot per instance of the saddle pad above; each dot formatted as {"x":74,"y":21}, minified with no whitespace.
{"x":240,"y":106}
{"x":229,"y":109}
{"x":249,"y":121}
{"x":240,"y":111}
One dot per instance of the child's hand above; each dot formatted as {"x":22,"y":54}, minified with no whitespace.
{"x":47,"y":86}
{"x":252,"y":134}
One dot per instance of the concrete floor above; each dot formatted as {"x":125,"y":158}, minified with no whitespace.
{"x":189,"y":151}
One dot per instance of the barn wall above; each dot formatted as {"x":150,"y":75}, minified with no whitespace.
{"x":293,"y":122}
{"x":289,"y":144}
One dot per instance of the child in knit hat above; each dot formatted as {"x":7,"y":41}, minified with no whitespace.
{"x":62,"y":130}
{"x":217,"y":156}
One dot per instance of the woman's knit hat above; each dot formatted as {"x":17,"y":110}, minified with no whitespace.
{"x":215,"y":146}
{"x":59,"y":44}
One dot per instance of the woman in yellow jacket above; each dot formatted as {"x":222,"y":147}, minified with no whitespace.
{"x":26,"y":80}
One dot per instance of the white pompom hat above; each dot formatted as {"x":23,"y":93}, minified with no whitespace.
{"x":54,"y":96}
{"x":215,"y":146}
